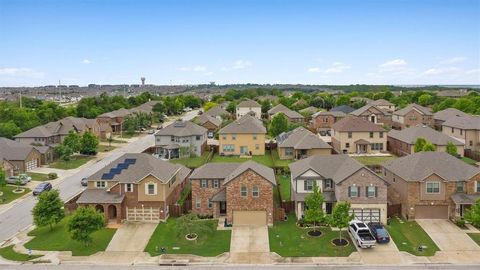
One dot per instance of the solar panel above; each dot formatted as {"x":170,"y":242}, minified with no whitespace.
{"x":115,"y":171}
{"x":130,"y":161}
{"x":123,"y":166}
{"x":107,"y":176}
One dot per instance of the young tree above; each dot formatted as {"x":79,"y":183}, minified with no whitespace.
{"x":64,"y":152}
{"x":429,"y":147}
{"x":314,"y":211}
{"x":190,"y":225}
{"x":266,"y":105}
{"x":419,"y":143}
{"x":72,"y":141}
{"x":3,"y":182}
{"x":207,"y":106}
{"x":278,"y":125}
{"x":473,"y":214}
{"x":451,"y":149}
{"x":84,"y":222}
{"x":89,"y":144}
{"x":340,"y":216}
{"x":48,"y":210}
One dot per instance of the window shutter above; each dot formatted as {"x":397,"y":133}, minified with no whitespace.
{"x":305,"y":185}
{"x":349,"y":192}
{"x":366,"y":191}
{"x":376,"y":192}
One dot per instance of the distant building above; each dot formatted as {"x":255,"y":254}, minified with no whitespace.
{"x":250,"y":107}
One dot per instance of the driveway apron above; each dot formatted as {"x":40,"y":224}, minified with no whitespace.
{"x":249,"y":245}
{"x":131,"y":236}
{"x":447,"y":235}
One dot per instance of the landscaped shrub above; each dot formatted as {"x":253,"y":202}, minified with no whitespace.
{"x":460,"y":222}
{"x":52,"y":176}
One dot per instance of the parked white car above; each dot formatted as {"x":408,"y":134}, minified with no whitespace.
{"x":361,"y":234}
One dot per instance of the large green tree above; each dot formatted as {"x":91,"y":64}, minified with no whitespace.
{"x":278,"y":125}
{"x":313,"y":210}
{"x":451,"y":149}
{"x":84,"y":222}
{"x":419,"y":144}
{"x":340,"y":217}
{"x":88,"y":144}
{"x":73,"y":141}
{"x":48,"y":210}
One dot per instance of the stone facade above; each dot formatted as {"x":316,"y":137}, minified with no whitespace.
{"x":411,"y":119}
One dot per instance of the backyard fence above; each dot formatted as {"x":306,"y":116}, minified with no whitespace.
{"x":394,"y":210}
{"x":472,"y":154}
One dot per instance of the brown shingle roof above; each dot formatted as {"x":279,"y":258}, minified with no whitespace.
{"x":381,"y":102}
{"x":217,"y":111}
{"x":246,"y":124}
{"x":182,"y":128}
{"x":301,"y":138}
{"x":421,"y":109}
{"x":355,"y":124}
{"x":365,"y":108}
{"x":466,"y":122}
{"x":204,"y":118}
{"x":248,"y":103}
{"x":410,"y":135}
{"x":447,"y":113}
{"x":12,"y":150}
{"x":91,"y":196}
{"x":214,"y":170}
{"x":283,"y":109}
{"x":260,"y":169}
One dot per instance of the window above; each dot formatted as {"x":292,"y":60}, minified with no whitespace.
{"x":198,"y":137}
{"x":452,"y":130}
{"x":328,"y":184}
{"x":461,"y":131}
{"x":433,"y":187}
{"x":377,"y":146}
{"x":255,"y":191}
{"x":349,"y":135}
{"x":224,"y":137}
{"x":371,"y":134}
{"x":460,"y":186}
{"x":308,"y":185}
{"x":128,"y":187}
{"x":477,"y":186}
{"x":204,"y":183}
{"x":353,"y":192}
{"x":210,"y":203}
{"x":254,"y":136}
{"x":243,"y":191}
{"x":151,"y":189}
{"x":100,"y":184}
{"x":172,"y":138}
{"x":381,"y":134}
{"x":289,"y":151}
{"x":257,"y":146}
{"x":198,"y":203}
{"x":234,"y":136}
{"x":371,"y":192}
{"x":216,"y":183}
{"x":228,"y":148}
{"x":347,"y":145}
{"x":470,"y":143}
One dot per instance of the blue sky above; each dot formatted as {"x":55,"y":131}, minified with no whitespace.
{"x":190,"y":42}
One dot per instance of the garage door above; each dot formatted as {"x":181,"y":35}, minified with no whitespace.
{"x":143,"y":214}
{"x":249,"y":218}
{"x":431,"y":212}
{"x":32,"y":164}
{"x":366,"y":214}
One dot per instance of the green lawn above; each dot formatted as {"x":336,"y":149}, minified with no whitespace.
{"x":59,"y":239}
{"x":265,"y":159}
{"x":39,"y":176}
{"x":283,"y":181}
{"x":288,"y":240}
{"x":408,"y":236}
{"x":469,"y":160}
{"x":10,"y":254}
{"x":280,"y":162}
{"x":475,"y":237}
{"x":73,"y":163}
{"x":193,"y":162}
{"x":374,"y":160}
{"x":208,"y":244}
{"x":104,"y":148}
{"x":9,"y":196}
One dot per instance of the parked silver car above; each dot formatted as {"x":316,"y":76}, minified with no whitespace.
{"x":12,"y":180}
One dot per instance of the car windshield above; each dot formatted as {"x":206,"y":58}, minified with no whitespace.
{"x":382,"y":232}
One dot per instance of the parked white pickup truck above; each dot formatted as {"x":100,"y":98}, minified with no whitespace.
{"x":361,"y":234}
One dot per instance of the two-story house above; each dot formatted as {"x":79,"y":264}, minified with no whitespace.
{"x":244,"y":136}
{"x":218,"y":112}
{"x":301,"y":143}
{"x":325,"y":120}
{"x":135,"y":187}
{"x":240,"y":192}
{"x":374,"y":114}
{"x":356,"y":135}
{"x":250,"y":107}
{"x":211,"y":123}
{"x":441,"y":116}
{"x":465,"y":129}
{"x":412,"y":115}
{"x":340,"y":178}
{"x":292,"y":116}
{"x":180,"y":139}
{"x":383,"y":105}
{"x":432,"y":185}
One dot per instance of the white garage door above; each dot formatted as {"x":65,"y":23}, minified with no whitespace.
{"x":32,"y":164}
{"x":249,"y":218}
{"x":366,"y":214}
{"x":143,"y":214}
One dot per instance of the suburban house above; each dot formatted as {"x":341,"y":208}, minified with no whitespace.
{"x":374,"y":114}
{"x":250,"y":107}
{"x":301,"y":143}
{"x":309,"y":110}
{"x":325,"y":120}
{"x":53,"y":133}
{"x":466,"y":129}
{"x":342,"y":108}
{"x":113,"y":119}
{"x":441,"y":116}
{"x":209,"y":122}
{"x":23,"y":157}
{"x":244,"y":136}
{"x":217,"y":112}
{"x":180,"y":139}
{"x":356,"y":135}
{"x":340,"y":178}
{"x":383,"y":105}
{"x":135,"y":187}
{"x":6,"y":166}
{"x":241,"y":192}
{"x":402,"y":142}
{"x":432,"y":185}
{"x":291,"y":115}
{"x":412,"y":115}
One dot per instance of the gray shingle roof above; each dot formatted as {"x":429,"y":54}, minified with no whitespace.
{"x":90,"y":196}
{"x":248,"y":103}
{"x":182,"y":128}
{"x":447,"y":113}
{"x":283,"y":109}
{"x":332,"y":113}
{"x":342,"y":108}
{"x":60,"y":127}
{"x":145,"y":164}
{"x":310,"y":110}
{"x":423,"y":110}
{"x":381,"y":102}
{"x":301,"y":138}
{"x":217,"y":111}
{"x":355,"y":124}
{"x":418,"y":166}
{"x":410,"y":135}
{"x":12,"y":150}
{"x":260,"y":169}
{"x":220,"y":196}
{"x":122,"y":112}
{"x":214,"y":170}
{"x":202,"y":119}
{"x":246,"y":124}
{"x":466,"y":122}
{"x":365,"y":108}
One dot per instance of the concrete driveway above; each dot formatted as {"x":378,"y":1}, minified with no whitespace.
{"x":249,"y":245}
{"x":132,"y":236}
{"x":447,"y":235}
{"x":381,"y":254}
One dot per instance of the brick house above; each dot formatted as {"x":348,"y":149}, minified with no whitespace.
{"x":21,"y":156}
{"x":441,"y":116}
{"x":301,"y":143}
{"x":340,"y":178}
{"x":432,"y":185}
{"x":6,"y":166}
{"x":412,"y":115}
{"x":325,"y":120}
{"x":402,"y":142}
{"x":292,"y":116}
{"x":218,"y":112}
{"x":240,"y":192}
{"x":374,"y":114}
{"x":135,"y":187}
{"x":383,"y":105}
{"x":211,"y":123}
{"x":465,"y":129}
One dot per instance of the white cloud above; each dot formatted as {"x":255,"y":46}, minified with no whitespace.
{"x":239,"y":64}
{"x":473,"y":71}
{"x":443,"y":71}
{"x":453,"y":60}
{"x":21,"y":72}
{"x":393,"y":64}
{"x":86,"y":61}
{"x":314,"y":69}
{"x":335,"y":68}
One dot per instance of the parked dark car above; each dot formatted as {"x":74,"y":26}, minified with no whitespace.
{"x":84,"y":182}
{"x":379,"y":232}
{"x":45,"y":186}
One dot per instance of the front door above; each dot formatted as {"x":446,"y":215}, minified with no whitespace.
{"x":223,"y":208}
{"x":328,"y":207}
{"x":243,"y":150}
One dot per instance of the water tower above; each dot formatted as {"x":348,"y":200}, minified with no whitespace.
{"x":143,"y":80}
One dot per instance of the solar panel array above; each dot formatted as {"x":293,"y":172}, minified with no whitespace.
{"x":118,"y":170}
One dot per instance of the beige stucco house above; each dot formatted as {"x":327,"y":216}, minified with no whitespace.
{"x":465,"y":129}
{"x":250,"y":107}
{"x":301,"y":143}
{"x":244,"y":136}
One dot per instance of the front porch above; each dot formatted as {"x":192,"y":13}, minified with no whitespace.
{"x":168,"y":152}
{"x":361,"y":146}
{"x":463,"y":202}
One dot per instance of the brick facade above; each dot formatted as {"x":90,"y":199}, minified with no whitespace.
{"x":414,"y":118}
{"x":204,"y":194}
{"x":362,"y":179}
{"x":323,"y":121}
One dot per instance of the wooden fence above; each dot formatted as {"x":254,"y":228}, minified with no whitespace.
{"x":394,"y":210}
{"x":288,"y":206}
{"x":472,"y":154}
{"x":177,"y":210}
{"x":278,"y":214}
